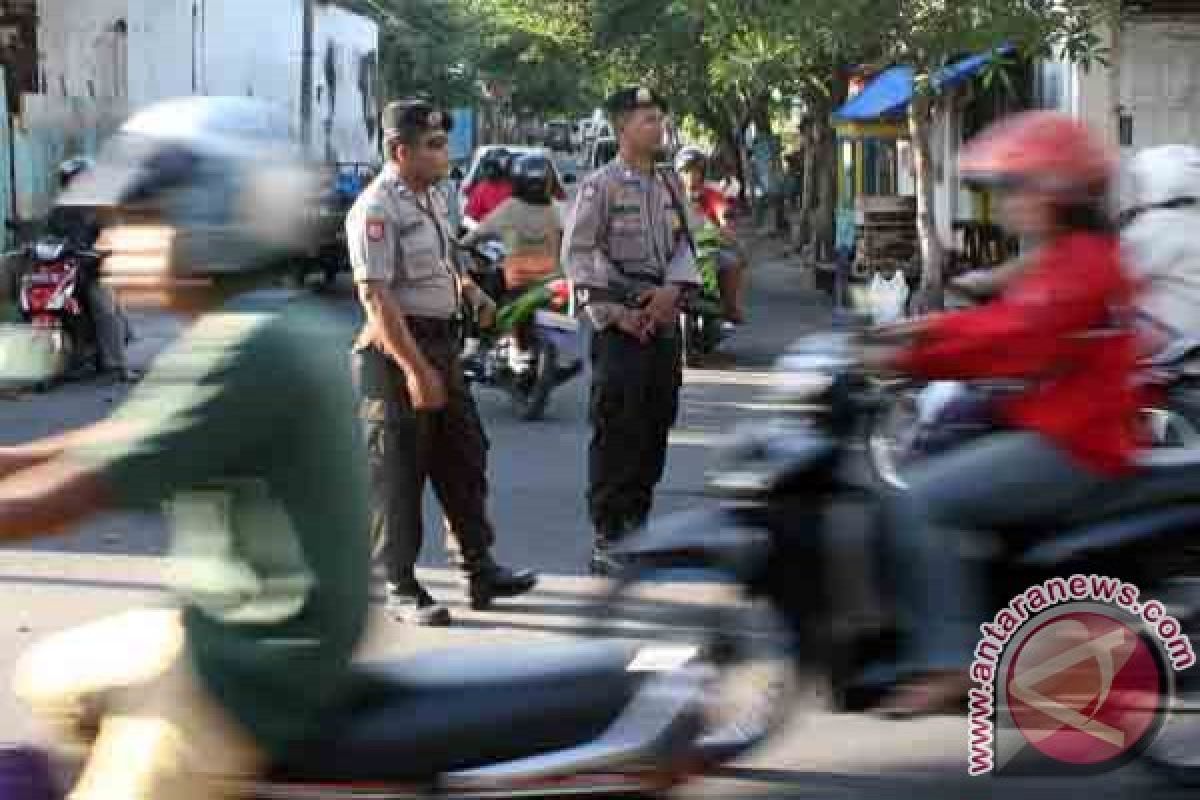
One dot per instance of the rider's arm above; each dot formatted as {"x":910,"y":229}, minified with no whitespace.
{"x":169,"y":433}
{"x":1028,"y":331}
{"x":48,"y":498}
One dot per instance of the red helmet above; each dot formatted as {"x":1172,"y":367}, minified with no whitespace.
{"x":1039,"y":148}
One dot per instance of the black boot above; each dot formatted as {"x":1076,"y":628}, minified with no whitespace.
{"x":487,"y":580}
{"x":604,"y":562}
{"x":409,"y":602}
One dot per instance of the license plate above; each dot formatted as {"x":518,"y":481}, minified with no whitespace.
{"x":552,"y":319}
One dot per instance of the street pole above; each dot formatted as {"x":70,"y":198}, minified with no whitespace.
{"x":306,"y":76}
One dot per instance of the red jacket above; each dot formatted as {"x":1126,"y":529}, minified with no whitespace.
{"x":1060,"y":325}
{"x":484,"y":198}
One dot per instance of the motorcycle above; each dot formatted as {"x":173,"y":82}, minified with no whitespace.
{"x":702,"y":322}
{"x":49,"y":299}
{"x":780,"y":478}
{"x":596,"y":718}
{"x":538,"y":315}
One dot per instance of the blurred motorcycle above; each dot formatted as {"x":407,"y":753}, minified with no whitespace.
{"x":781,"y":477}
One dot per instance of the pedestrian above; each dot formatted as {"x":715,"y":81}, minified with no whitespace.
{"x":629,"y":254}
{"x":419,"y":417}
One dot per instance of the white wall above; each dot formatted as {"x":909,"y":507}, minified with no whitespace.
{"x":254,"y":49}
{"x":345,"y":92}
{"x":81,"y":53}
{"x":165,"y":49}
{"x":216,"y":47}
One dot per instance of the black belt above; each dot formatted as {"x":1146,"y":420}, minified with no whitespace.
{"x":432,"y":326}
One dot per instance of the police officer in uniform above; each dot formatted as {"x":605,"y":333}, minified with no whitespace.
{"x":420,"y":419}
{"x":630,"y":256}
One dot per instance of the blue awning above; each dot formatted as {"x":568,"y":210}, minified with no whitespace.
{"x":888,"y":94}
{"x":892,"y":89}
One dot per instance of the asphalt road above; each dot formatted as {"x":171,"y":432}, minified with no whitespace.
{"x":537,"y":473}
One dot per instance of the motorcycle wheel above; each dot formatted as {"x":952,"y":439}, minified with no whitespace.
{"x":755,"y":686}
{"x":890,"y":435}
{"x":530,"y":394}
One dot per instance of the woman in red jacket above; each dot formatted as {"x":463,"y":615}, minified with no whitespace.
{"x":1060,"y":328}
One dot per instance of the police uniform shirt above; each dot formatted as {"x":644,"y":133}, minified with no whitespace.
{"x":624,"y":234}
{"x":399,"y":239}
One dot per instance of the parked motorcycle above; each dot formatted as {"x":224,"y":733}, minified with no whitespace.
{"x":50,"y":299}
{"x":781,"y":477}
{"x":553,"y":351}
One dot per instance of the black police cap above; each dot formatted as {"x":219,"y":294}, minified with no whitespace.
{"x":632,"y":97}
{"x":414,"y":115}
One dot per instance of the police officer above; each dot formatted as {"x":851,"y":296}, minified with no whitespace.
{"x":420,"y":419}
{"x":629,"y":254}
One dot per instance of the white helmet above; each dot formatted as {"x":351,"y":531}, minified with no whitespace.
{"x":687,"y":156}
{"x":1165,"y":176}
{"x":222,"y":174}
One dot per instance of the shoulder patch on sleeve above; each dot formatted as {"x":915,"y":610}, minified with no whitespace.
{"x":376,"y":229}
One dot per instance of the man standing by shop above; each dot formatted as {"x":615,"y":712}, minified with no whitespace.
{"x":629,"y":254}
{"x":419,"y":417}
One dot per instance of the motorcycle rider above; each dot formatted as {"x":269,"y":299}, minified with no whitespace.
{"x":493,"y":187}
{"x":711,"y":205}
{"x":532,"y":235}
{"x":269,"y":561}
{"x":1159,"y":237}
{"x":80,"y":227}
{"x":1062,"y":326}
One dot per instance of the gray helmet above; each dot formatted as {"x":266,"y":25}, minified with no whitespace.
{"x":221,"y":176}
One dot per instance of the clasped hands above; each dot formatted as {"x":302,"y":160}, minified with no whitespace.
{"x":657,"y":309}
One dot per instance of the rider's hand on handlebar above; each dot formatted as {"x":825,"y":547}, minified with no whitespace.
{"x":880,"y":359}
{"x":897,"y":333}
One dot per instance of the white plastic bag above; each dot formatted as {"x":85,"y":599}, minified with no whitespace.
{"x":887,"y":298}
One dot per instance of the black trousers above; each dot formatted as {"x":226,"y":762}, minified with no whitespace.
{"x":634,"y":404}
{"x":406,"y":448}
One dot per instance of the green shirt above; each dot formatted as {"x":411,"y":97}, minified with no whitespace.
{"x":246,"y":430}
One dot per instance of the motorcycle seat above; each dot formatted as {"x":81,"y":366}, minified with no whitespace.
{"x":1162,"y":499}
{"x":420,"y":717}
